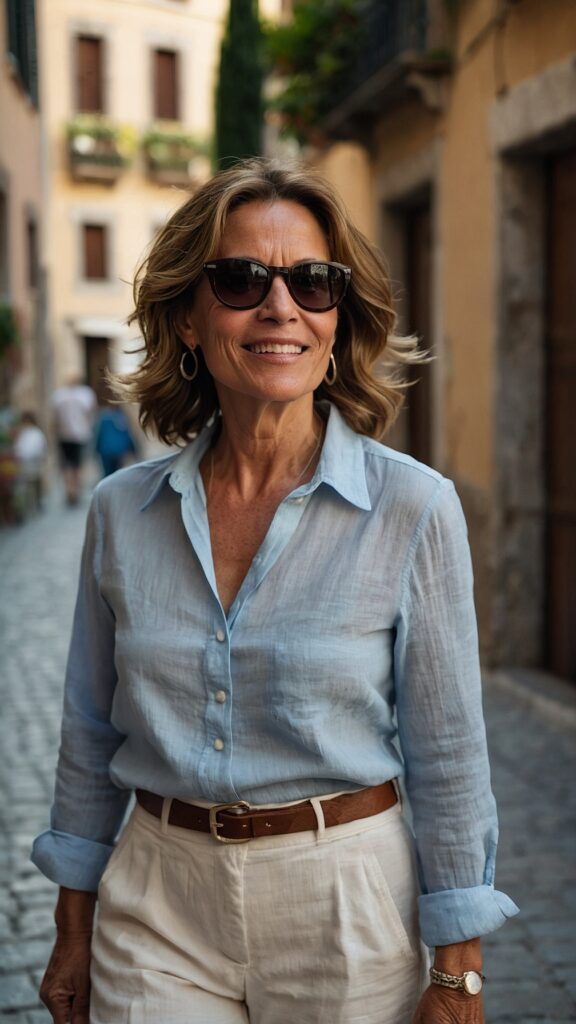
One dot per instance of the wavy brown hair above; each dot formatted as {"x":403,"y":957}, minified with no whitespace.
{"x":368,"y":390}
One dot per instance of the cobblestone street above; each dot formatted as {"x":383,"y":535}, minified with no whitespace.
{"x":530,"y":963}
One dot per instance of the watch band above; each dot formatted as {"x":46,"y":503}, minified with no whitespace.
{"x":470,"y":982}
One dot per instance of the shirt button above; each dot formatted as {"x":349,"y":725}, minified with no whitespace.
{"x":220,"y":635}
{"x":220,"y":696}
{"x":297,"y":501}
{"x":218,"y":744}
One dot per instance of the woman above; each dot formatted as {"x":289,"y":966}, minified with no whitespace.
{"x":255,"y":615}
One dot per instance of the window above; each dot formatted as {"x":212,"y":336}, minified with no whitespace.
{"x":21,"y":18}
{"x":165,"y":70}
{"x":95,"y":254}
{"x":4,"y":262}
{"x":89,"y":77}
{"x":32,"y":252}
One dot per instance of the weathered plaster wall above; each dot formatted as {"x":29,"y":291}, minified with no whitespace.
{"x":512,"y":91}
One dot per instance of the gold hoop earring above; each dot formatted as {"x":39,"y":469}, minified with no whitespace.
{"x":194,"y":374}
{"x":332,"y":366}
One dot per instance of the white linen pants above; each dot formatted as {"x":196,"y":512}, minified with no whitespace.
{"x":312,"y":928}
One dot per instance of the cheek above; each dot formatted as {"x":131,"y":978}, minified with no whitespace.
{"x":329,"y":327}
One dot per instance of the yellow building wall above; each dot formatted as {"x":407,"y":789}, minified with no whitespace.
{"x":493,"y":52}
{"x":134,"y":206}
{"x":20,"y":149}
{"x":348,"y":168}
{"x":466,"y":225}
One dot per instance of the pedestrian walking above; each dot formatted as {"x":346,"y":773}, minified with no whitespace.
{"x":30,"y":448}
{"x":74,"y":408}
{"x":258,"y":617}
{"x":113,"y":440}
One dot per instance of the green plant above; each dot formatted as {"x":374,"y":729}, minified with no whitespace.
{"x":313,"y":54}
{"x":94,"y":138}
{"x":239,"y":102}
{"x":9,"y":334}
{"x":172,"y":148}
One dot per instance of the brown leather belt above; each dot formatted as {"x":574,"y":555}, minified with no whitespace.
{"x":237,"y":823}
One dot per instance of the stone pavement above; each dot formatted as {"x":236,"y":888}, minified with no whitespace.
{"x":530,"y":963}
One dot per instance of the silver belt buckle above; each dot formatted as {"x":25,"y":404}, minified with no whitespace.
{"x":238,"y":805}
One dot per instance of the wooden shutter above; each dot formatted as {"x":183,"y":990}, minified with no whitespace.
{"x":89,"y":77}
{"x":32,"y":252}
{"x":95,"y":262}
{"x":165,"y":85}
{"x":21,"y":43}
{"x":4,"y":251}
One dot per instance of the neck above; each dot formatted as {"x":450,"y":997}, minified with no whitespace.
{"x":274,"y":449}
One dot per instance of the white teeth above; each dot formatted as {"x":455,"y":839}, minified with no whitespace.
{"x":281,"y":349}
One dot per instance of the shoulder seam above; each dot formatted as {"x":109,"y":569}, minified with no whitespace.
{"x":389,"y":455}
{"x":443,"y":485}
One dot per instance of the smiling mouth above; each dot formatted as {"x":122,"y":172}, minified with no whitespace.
{"x":268,"y":347}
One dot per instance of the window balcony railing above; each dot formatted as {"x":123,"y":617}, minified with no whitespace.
{"x":98,"y":150}
{"x":403,"y":49}
{"x":173,"y":157}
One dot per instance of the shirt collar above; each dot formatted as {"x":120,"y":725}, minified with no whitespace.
{"x":341,"y":464}
{"x":181,"y":470}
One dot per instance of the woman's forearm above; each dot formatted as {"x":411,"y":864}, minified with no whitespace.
{"x":75,"y":911}
{"x":459,"y":957}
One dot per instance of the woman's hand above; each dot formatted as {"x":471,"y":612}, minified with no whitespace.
{"x":65,"y":987}
{"x":441,"y":1005}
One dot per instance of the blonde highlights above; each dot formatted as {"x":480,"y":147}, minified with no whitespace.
{"x":177,"y":409}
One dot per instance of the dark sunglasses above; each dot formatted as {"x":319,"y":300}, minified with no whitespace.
{"x":314,"y":285}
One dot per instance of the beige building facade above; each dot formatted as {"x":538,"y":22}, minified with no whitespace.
{"x":128,"y":91}
{"x":127,"y":88}
{"x":21,"y":276}
{"x":458,"y":156}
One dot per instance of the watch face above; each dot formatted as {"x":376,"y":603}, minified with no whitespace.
{"x":472,"y":983}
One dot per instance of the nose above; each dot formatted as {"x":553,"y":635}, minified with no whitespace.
{"x":278,"y":304}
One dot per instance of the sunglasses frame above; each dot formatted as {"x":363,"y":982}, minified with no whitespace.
{"x":211,"y":268}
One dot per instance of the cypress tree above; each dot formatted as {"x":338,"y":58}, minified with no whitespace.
{"x":239,"y":104}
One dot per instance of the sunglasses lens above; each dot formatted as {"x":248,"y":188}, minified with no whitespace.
{"x":317,"y":286}
{"x":240,"y":283}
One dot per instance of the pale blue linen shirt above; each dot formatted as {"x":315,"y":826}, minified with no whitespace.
{"x":354,"y":623}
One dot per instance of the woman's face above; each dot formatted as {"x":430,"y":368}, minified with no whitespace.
{"x":278,"y":234}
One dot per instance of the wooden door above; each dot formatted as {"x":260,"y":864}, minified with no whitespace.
{"x":561,"y":420}
{"x":97,"y":360}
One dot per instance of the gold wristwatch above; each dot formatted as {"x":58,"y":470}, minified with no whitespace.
{"x":470,"y":982}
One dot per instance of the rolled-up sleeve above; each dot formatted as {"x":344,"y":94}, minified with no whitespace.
{"x":442,"y":733}
{"x":88,"y":808}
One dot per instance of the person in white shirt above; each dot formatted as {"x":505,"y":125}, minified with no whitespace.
{"x":30,"y":452}
{"x":74,"y":406}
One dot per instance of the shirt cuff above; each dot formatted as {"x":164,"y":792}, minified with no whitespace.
{"x":456,"y":915}
{"x":69,"y":860}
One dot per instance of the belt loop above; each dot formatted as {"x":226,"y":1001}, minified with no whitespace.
{"x":396,"y":784}
{"x":166,"y":807}
{"x":321,"y":831}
